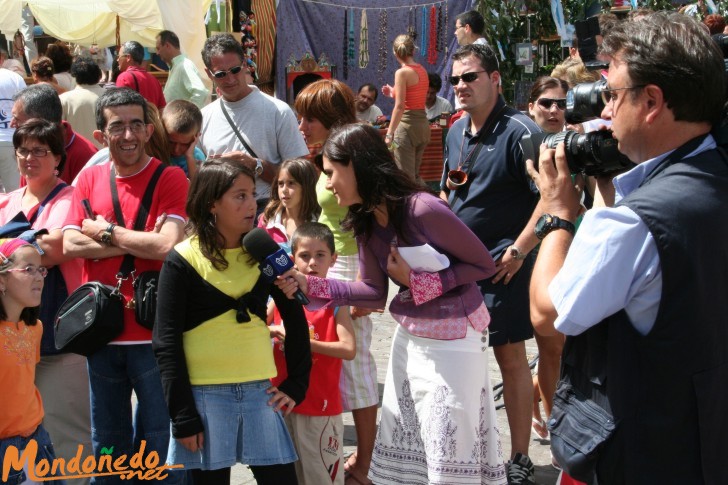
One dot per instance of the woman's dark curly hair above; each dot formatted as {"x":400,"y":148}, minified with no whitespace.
{"x":214,"y":178}
{"x":378,"y":179}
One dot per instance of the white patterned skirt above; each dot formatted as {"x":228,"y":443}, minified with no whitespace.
{"x":438,"y":422}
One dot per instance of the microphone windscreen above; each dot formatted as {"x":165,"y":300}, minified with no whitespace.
{"x":259,"y":244}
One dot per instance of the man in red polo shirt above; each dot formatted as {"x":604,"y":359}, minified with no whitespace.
{"x":42,"y":101}
{"x":134,"y":76}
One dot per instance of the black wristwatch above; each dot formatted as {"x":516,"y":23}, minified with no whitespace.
{"x":547,"y":223}
{"x":106,"y":235}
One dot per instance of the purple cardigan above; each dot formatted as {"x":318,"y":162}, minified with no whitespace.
{"x":450,"y":293}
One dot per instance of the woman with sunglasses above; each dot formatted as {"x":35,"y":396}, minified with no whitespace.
{"x":322,"y":106}
{"x":44,"y":202}
{"x":409,"y":132}
{"x":438,"y":422}
{"x":21,"y":284}
{"x":547,"y":103}
{"x":547,"y":106}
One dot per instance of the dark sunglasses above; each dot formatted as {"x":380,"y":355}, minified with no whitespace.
{"x":222,"y":74}
{"x":546,"y":103}
{"x":468,"y":77}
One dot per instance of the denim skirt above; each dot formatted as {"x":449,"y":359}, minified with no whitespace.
{"x":240,"y":427}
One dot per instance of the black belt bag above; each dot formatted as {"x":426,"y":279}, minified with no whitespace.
{"x":579,"y":429}
{"x":91,"y":317}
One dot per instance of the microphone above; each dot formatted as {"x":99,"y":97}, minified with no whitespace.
{"x":273,"y":260}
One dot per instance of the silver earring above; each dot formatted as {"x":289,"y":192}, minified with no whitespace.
{"x":56,"y":172}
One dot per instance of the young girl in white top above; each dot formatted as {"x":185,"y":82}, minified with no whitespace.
{"x":292,"y":201}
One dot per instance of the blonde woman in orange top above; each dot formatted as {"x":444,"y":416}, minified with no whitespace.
{"x":409,"y":132}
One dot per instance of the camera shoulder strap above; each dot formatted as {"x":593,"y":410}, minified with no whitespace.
{"x":251,"y":152}
{"x":482,"y":135}
{"x":127,"y":264}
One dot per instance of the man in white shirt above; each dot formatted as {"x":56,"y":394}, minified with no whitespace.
{"x":366,"y":110}
{"x":79,"y":104}
{"x":184,"y":81}
{"x":243,"y":123}
{"x":10,"y":84}
{"x":434,"y":104}
{"x":469,"y":28}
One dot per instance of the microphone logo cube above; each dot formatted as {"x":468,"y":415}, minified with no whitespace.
{"x":267,"y":270}
{"x":282,"y":261}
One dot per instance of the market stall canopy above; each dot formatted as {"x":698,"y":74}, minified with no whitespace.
{"x":89,"y":22}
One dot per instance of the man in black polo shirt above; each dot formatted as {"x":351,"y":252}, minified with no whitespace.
{"x":497,"y":203}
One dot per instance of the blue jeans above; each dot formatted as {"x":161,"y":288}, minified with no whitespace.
{"x":114,"y":371}
{"x":45,"y":451}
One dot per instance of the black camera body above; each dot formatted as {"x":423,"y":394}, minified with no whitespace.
{"x":592,"y":153}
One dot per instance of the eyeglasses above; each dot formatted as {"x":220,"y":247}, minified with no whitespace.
{"x":468,"y":77}
{"x":457,"y":27}
{"x":30,"y":271}
{"x":118,"y":129}
{"x":222,"y":74}
{"x":607,"y":95}
{"x":36,"y":152}
{"x":547,"y":103}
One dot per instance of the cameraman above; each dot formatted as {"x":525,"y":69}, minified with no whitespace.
{"x":641,"y":295}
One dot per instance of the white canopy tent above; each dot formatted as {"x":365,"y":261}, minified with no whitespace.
{"x":87,"y":22}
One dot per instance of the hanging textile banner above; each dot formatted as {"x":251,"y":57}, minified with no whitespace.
{"x":363,"y":41}
{"x":432,"y":41}
{"x":383,"y":47}
{"x":345,"y":49}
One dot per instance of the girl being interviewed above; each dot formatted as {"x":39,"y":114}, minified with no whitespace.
{"x":212,"y":343}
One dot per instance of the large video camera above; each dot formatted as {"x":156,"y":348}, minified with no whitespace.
{"x":584,"y":102}
{"x":592,"y":153}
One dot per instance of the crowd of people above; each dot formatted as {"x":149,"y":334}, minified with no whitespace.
{"x":605,"y":272}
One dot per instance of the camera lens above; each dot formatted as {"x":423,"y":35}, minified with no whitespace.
{"x":592,"y":153}
{"x":584,"y":102}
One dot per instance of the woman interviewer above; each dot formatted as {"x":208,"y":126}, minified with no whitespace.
{"x":438,"y":420}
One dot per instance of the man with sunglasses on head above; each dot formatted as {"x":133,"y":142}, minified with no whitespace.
{"x":486,"y":184}
{"x":640,"y":289}
{"x":244,"y":123}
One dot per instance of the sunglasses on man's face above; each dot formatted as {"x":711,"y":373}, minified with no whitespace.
{"x":546,"y":103}
{"x":222,"y":74}
{"x":468,"y":77}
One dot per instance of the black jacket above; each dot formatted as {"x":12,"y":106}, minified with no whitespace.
{"x":184,"y":301}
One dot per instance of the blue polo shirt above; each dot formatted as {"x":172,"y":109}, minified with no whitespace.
{"x":499,"y":197}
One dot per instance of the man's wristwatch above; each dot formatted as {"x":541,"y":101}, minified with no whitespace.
{"x":106,"y":235}
{"x":516,"y":253}
{"x":547,"y":223}
{"x":258,"y":167}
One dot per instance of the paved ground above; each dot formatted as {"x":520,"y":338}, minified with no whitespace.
{"x":384,"y":327}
